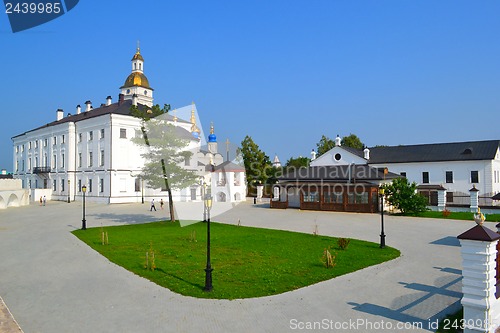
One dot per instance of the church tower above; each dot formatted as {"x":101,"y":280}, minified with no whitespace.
{"x":212,"y":140}
{"x":137,"y":83}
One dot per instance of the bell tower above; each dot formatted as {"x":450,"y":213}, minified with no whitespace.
{"x":137,"y":83}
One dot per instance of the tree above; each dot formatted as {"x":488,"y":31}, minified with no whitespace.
{"x":258,"y":166}
{"x":324,"y":145}
{"x":164,"y":153}
{"x":402,"y":195}
{"x":297,"y":162}
{"x":352,"y":141}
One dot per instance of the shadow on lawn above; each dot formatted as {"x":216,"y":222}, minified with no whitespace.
{"x":181,"y":279}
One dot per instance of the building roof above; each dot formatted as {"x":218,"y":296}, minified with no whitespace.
{"x":122,"y":108}
{"x":437,"y":152}
{"x":338,"y":173}
{"x":228,"y":166}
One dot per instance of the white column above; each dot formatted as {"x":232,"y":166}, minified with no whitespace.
{"x":441,"y":199}
{"x":474,"y":199}
{"x":478,"y":250}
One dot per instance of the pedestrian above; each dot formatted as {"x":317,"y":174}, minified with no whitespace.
{"x":40,"y":200}
{"x":152,"y":205}
{"x":161,"y":203}
{"x":44,"y":200}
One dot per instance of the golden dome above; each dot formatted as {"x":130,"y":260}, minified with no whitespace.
{"x":137,"y":55}
{"x":136,"y":79}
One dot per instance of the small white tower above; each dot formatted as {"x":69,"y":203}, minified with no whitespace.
{"x":338,"y":141}
{"x":313,"y":155}
{"x":276,"y":161}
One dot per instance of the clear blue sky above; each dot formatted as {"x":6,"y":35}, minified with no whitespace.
{"x":284,"y":72}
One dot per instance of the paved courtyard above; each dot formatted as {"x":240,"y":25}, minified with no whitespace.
{"x":51,"y":282}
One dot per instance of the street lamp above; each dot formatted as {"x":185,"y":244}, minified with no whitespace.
{"x":208,"y":270}
{"x":84,"y":222}
{"x":69,"y":189}
{"x":203,"y":195}
{"x":382,"y":234}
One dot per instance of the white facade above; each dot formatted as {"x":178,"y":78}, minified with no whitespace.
{"x":457,"y":176}
{"x":94,"y":148}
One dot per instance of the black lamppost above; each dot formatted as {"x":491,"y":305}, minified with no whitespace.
{"x":208,"y":270}
{"x":142,"y":190}
{"x":69,"y":189}
{"x":382,"y":234}
{"x":84,"y":222}
{"x":204,"y":195}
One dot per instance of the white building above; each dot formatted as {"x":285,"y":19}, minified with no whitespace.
{"x":93,"y":147}
{"x":458,"y":167}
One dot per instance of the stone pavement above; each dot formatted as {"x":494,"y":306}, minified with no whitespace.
{"x":54,"y":283}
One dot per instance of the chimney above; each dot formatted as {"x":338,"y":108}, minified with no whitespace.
{"x":108,"y":100}
{"x":366,"y":153}
{"x":78,"y":109}
{"x":59,"y":114}
{"x":338,"y":140}
{"x":313,"y":155}
{"x":121,"y":98}
{"x":89,"y":106}
{"x":134,"y":99}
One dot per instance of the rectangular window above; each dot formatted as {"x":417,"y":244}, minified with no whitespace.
{"x":17,"y":165}
{"x":123,"y":133}
{"x":54,"y":141}
{"x":137,"y":184}
{"x":36,"y":144}
{"x":22,"y":165}
{"x":62,"y":139}
{"x":102,"y":133}
{"x":333,"y":197}
{"x":62,"y":160}
{"x":90,"y":185}
{"x":62,"y":185}
{"x":311,"y":197}
{"x":29,"y":145}
{"x":449,"y":177}
{"x":101,"y":185}
{"x":79,"y":160}
{"x":79,"y":137}
{"x":403,"y":174}
{"x":54,"y":162}
{"x":54,"y":185}
{"x":29,"y":163}
{"x":449,"y":196}
{"x":91,"y":135}
{"x":102,"y":158}
{"x":22,"y":148}
{"x":79,"y":185}
{"x":45,"y":142}
{"x":90,"y":159}
{"x":425,"y":177}
{"x":474,"y":177}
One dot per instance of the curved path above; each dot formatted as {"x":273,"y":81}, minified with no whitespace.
{"x":52,"y":282}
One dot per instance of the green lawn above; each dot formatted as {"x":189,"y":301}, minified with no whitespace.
{"x":459,"y":216}
{"x":247,"y":262}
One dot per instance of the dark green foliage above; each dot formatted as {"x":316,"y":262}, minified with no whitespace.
{"x":247,"y":262}
{"x":258,"y":166}
{"x":402,"y":195}
{"x":297,"y":162}
{"x":352,"y":141}
{"x":324,"y":145}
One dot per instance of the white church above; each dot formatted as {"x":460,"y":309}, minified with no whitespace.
{"x":93,"y":148}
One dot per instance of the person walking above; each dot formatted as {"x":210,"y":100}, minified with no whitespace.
{"x":41,"y":200}
{"x":161,"y":203}
{"x":152,"y":205}
{"x":44,"y":200}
